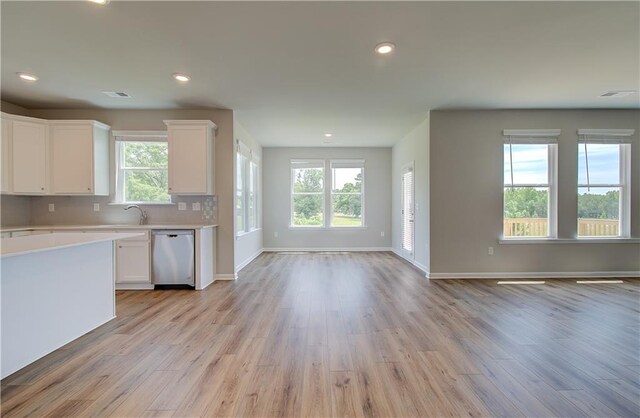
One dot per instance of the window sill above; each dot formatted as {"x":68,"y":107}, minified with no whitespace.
{"x":613,"y":240}
{"x":142,"y":203}
{"x":244,"y":233}
{"x":326,"y":228}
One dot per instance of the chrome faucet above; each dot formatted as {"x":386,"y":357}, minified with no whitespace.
{"x":143,"y":214}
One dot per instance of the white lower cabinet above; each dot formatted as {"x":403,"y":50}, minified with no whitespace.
{"x":133,"y":261}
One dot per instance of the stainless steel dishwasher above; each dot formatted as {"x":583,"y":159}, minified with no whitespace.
{"x":173,"y":257}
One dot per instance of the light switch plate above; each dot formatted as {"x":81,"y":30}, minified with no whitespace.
{"x":182,"y":206}
{"x":52,"y":207}
{"x":96,"y":207}
{"x":195,"y":206}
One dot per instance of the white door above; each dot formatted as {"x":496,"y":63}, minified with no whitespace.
{"x":29,"y":152}
{"x":407,"y":221}
{"x":5,"y":141}
{"x":72,"y":159}
{"x":188,"y":160}
{"x":132,"y":262}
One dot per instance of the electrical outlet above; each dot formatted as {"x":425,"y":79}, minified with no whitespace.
{"x":275,"y":234}
{"x":490,"y":251}
{"x":52,"y":207}
{"x":182,"y":206}
{"x":96,"y":207}
{"x":195,"y":206}
{"x":382,"y":233}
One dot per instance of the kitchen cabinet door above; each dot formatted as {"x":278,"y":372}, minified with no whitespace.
{"x":79,"y":158}
{"x":5,"y":141}
{"x":29,"y":154}
{"x":132,"y":261}
{"x":191,"y":154}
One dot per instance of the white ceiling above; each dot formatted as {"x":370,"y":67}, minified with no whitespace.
{"x":293,"y":71}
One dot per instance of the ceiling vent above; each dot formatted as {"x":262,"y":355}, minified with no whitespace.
{"x":617,"y":93}
{"x":118,"y":94}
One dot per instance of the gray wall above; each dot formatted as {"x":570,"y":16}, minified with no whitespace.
{"x":467,"y":186}
{"x":414,"y":147}
{"x":276,"y":197}
{"x":79,"y":209}
{"x":15,"y":210}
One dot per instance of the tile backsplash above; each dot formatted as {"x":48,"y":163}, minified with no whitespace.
{"x":79,"y":210}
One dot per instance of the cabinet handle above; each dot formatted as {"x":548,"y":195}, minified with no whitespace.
{"x":119,"y":246}
{"x":89,"y":188}
{"x":42,"y":188}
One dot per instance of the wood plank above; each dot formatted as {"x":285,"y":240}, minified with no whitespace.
{"x":347,"y":335}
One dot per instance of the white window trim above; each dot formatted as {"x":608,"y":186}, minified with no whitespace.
{"x":327,"y":192}
{"x":119,"y":137}
{"x":550,"y":138}
{"x":248,"y":153}
{"x":622,"y":137}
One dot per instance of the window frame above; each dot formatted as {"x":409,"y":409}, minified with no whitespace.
{"x":622,"y":138}
{"x":346,"y":164}
{"x":547,"y":137}
{"x":307,"y":163}
{"x":119,"y":172}
{"x":248,"y":177}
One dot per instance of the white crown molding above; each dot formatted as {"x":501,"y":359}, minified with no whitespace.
{"x":206,"y":123}
{"x":532,"y":132}
{"x":606,"y":132}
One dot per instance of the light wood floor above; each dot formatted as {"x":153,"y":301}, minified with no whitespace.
{"x":348,"y":335}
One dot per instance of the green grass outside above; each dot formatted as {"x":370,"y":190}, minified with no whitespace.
{"x":342,"y":220}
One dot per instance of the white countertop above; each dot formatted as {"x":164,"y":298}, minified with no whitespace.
{"x":29,"y":244}
{"x":102,"y":227}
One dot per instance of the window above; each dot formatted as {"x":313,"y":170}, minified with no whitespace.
{"x":530,"y":183}
{"x":241,"y":170}
{"x":141,"y":168}
{"x":253,"y":195}
{"x":246,"y":190}
{"x":407,"y":209}
{"x":307,"y":193}
{"x":603,"y":183}
{"x":346,"y":193}
{"x":345,"y":196}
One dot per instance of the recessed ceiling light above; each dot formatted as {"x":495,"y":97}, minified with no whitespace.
{"x":617,"y":93}
{"x":181,"y":77}
{"x":385,"y":48}
{"x":328,"y":135}
{"x":27,"y":77}
{"x":100,"y":2}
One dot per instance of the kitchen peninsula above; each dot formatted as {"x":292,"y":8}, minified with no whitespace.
{"x":55,"y":288}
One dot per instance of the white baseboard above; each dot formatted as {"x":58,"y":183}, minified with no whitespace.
{"x":246,"y":262}
{"x":228,"y":276}
{"x":535,"y":275}
{"x":323,"y":249}
{"x":416,"y":264}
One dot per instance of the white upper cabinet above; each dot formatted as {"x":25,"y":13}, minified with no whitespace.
{"x":191,"y":156}
{"x":79,"y":157}
{"x":29,"y":155}
{"x":5,"y":171}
